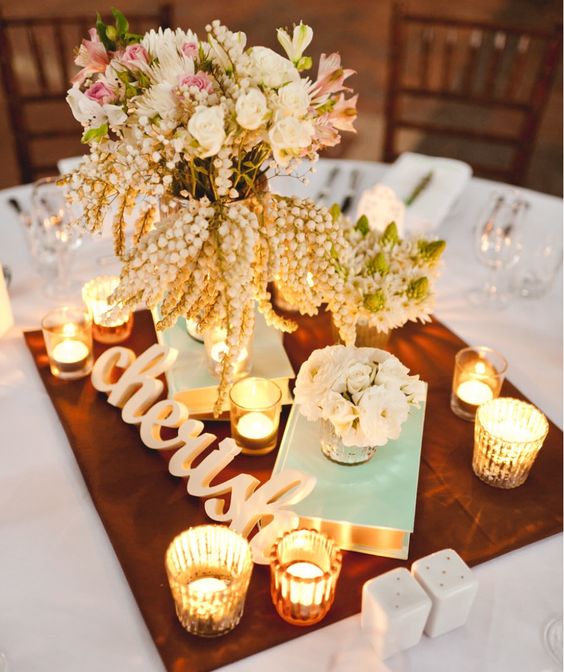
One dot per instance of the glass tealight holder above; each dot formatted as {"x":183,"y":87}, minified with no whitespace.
{"x":209,"y":568}
{"x":508,"y":435}
{"x":478,"y":376}
{"x":255,"y":414}
{"x":95,"y":295}
{"x":215,"y":345}
{"x":67,"y":333}
{"x":304,"y":568}
{"x":193,"y":329}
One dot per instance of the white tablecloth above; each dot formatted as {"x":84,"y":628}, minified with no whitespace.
{"x":64,"y":601}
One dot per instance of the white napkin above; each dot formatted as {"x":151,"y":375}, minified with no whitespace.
{"x":432,"y":205}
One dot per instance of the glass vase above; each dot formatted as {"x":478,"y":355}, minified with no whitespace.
{"x":333,"y":447}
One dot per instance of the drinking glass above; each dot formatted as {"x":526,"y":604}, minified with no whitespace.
{"x":498,"y":245}
{"x":54,"y":239}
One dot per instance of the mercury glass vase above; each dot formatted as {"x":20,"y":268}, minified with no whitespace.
{"x":333,"y":447}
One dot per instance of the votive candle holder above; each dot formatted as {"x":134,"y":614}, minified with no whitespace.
{"x":478,"y":375}
{"x":209,"y":568}
{"x":255,"y":405}
{"x":216,"y":347}
{"x":105,"y":329}
{"x":508,"y":434}
{"x":67,"y":332}
{"x":304,"y":568}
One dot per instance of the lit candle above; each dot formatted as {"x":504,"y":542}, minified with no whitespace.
{"x":304,"y":568}
{"x":255,"y":425}
{"x":508,"y":434}
{"x":209,"y":568}
{"x":478,"y":376}
{"x":218,"y":351}
{"x":207,"y":585}
{"x":95,"y":294}
{"x":303,"y":593}
{"x":70,"y":354}
{"x":474,"y":392}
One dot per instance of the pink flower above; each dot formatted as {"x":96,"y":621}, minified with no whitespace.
{"x":344,"y":113}
{"x":330,"y":76}
{"x":190,"y":49}
{"x":101,"y":93}
{"x":135,"y":55}
{"x":200,"y":80}
{"x":92,"y":57}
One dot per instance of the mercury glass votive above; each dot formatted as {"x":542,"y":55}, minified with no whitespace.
{"x":478,"y":376}
{"x":67,"y":333}
{"x":304,"y":568}
{"x":95,"y":295}
{"x":209,"y":568}
{"x":255,"y":414}
{"x":508,"y":434}
{"x":215,"y":344}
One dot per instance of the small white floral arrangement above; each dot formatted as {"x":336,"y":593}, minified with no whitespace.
{"x":365,"y":393}
{"x":388,"y":279}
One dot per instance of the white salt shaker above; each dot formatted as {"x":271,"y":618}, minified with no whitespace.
{"x":394,"y":611}
{"x":452,"y":587}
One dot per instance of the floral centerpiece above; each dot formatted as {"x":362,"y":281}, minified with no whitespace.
{"x":362,"y":395}
{"x":388,"y":279}
{"x":182,"y":132}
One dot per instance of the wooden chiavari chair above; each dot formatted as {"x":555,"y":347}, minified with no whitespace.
{"x":36,"y":65}
{"x":496,"y":73}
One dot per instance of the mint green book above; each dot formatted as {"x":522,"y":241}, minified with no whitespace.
{"x":190,"y":381}
{"x":370,"y":507}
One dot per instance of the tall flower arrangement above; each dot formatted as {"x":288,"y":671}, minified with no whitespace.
{"x":182,"y":132}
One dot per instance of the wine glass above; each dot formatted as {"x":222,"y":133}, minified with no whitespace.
{"x":54,"y":238}
{"x":498,"y":244}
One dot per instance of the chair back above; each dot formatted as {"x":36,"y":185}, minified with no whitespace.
{"x":482,"y":87}
{"x":36,"y":65}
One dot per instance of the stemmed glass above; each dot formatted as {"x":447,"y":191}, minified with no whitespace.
{"x":54,"y":239}
{"x":498,"y":244}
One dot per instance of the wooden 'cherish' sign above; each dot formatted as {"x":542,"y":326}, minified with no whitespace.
{"x":136,"y":393}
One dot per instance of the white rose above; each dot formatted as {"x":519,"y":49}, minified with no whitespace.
{"x":271,"y":69}
{"x":320,"y":374}
{"x":339,"y":411}
{"x":293,"y":99}
{"x":414,"y":390}
{"x":391,"y":373}
{"x":382,"y":413}
{"x":206,"y":126}
{"x":251,"y":109}
{"x":288,"y":137}
{"x":358,"y":377}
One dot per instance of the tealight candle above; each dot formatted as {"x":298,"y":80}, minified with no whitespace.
{"x":105,"y":329}
{"x":216,"y":347}
{"x":255,"y":414}
{"x":68,"y":339}
{"x":478,"y":377}
{"x":209,"y":568}
{"x":193,"y":329}
{"x":508,"y":435}
{"x":304,"y":569}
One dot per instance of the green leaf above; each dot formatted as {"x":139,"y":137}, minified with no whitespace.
{"x":122,"y":24}
{"x":112,"y":33}
{"x":304,"y":63}
{"x":418,"y":289}
{"x":94,"y":133}
{"x":101,"y":30}
{"x":362,"y":225}
{"x":335,"y":211}
{"x":375,"y":302}
{"x":378,"y":264}
{"x":390,"y":234}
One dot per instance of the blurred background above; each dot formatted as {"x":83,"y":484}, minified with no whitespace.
{"x":360,"y":31}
